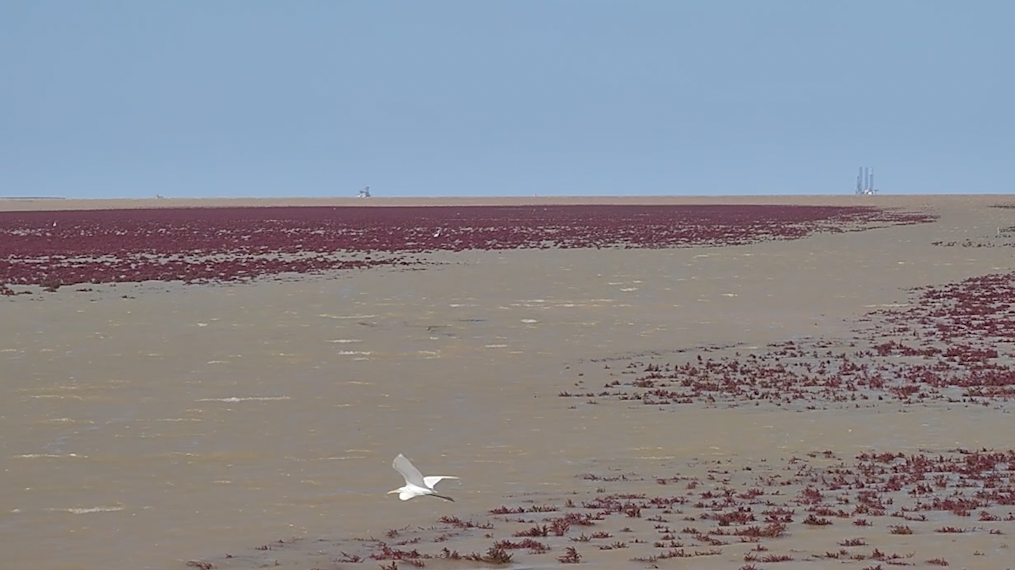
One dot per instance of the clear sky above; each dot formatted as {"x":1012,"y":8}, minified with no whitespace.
{"x":132,"y":98}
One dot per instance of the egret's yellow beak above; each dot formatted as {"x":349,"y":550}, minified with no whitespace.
{"x":393,"y":491}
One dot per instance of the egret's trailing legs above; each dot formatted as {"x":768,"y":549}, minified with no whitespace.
{"x":415,"y":483}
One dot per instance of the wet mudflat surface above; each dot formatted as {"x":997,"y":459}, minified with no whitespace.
{"x":740,"y":406}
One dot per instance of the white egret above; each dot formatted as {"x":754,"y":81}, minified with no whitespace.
{"x":415,"y":483}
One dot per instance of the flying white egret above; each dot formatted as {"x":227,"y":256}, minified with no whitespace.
{"x":415,"y":483}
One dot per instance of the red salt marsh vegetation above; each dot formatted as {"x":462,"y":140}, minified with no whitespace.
{"x":951,"y":344}
{"x":752,"y":512}
{"x":60,"y":248}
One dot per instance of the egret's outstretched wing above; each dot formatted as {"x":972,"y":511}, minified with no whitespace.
{"x":434,"y":479}
{"x":408,"y":471}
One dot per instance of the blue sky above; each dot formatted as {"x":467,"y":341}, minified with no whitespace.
{"x":196,"y":98}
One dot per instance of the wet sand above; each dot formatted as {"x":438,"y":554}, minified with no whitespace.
{"x":150,"y":425}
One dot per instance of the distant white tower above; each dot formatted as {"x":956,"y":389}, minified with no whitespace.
{"x":865,"y":182}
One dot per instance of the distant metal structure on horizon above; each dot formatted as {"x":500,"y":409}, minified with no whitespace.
{"x":364,"y":193}
{"x":865,"y":182}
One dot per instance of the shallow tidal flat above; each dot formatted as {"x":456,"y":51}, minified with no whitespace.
{"x":619,"y":384}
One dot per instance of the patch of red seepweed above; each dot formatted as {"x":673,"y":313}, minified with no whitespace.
{"x":57,"y":248}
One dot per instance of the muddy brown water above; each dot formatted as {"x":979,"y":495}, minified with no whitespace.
{"x":143,"y":426}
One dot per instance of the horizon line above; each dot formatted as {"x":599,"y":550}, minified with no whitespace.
{"x":493,"y":197}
